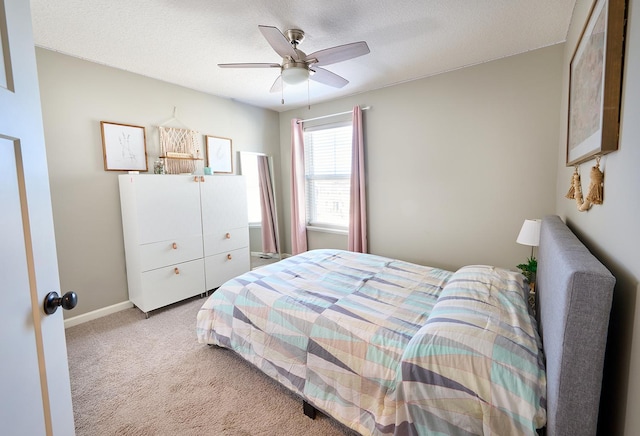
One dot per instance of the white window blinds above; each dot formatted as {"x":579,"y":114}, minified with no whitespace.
{"x":328,"y":174}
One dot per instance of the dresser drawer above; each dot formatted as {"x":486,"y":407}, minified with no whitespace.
{"x":160,"y":254}
{"x":222,"y":267}
{"x":168,"y":285}
{"x":226,"y":240}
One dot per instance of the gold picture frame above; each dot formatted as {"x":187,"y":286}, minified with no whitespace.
{"x":219,"y":154}
{"x":595,"y":83}
{"x":124,"y":147}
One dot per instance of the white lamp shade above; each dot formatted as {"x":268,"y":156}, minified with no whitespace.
{"x":295,"y":75}
{"x":529,"y":233}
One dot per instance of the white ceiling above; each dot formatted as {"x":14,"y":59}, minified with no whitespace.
{"x":182,"y":41}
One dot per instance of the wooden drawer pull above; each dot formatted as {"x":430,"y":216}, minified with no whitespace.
{"x":174,"y":246}
{"x":229,"y":256}
{"x":195,"y":179}
{"x":176,"y":270}
{"x":202,"y":179}
{"x":228,"y":236}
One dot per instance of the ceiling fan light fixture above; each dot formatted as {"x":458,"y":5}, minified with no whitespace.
{"x":297,"y":67}
{"x":295,"y":75}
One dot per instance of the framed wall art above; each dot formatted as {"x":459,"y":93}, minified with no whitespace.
{"x":595,"y":83}
{"x":124,"y":147}
{"x":219,"y":154}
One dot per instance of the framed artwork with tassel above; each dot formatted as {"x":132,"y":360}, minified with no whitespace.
{"x":595,"y":83}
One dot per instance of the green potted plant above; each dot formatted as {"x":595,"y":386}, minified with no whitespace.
{"x":529,"y":269}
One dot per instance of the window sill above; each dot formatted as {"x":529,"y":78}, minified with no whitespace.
{"x":328,"y":230}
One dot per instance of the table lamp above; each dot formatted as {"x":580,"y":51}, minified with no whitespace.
{"x":530,"y":234}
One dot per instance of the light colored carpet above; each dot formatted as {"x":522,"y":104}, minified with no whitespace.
{"x":137,"y":376}
{"x":258,"y":261}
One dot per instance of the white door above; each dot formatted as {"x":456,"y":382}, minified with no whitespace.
{"x":35,"y":395}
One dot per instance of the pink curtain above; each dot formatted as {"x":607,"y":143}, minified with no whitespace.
{"x":298,"y":214}
{"x":358,"y":204}
{"x":267,"y":206}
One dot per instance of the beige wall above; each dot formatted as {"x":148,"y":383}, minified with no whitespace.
{"x":76,"y":96}
{"x":455,"y":162}
{"x":612,"y":230}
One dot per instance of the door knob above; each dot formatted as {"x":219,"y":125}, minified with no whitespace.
{"x":51,"y":302}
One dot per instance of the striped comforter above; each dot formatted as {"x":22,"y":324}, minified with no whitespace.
{"x":389,"y":347}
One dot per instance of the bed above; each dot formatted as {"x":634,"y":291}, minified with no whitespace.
{"x":389,"y":347}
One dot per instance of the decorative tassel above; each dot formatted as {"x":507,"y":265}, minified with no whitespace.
{"x":577,"y":184}
{"x":571,"y":195}
{"x":596,"y":186}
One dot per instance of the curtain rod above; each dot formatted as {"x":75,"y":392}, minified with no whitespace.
{"x":331,"y":115}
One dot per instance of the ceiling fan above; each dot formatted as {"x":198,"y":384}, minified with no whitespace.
{"x":297,"y":66}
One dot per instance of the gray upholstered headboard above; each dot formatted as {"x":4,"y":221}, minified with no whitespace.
{"x":574,"y":292}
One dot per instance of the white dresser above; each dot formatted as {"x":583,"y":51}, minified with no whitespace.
{"x":183,"y":235}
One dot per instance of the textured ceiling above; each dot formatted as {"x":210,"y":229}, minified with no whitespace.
{"x":182,"y":41}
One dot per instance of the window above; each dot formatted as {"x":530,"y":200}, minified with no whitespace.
{"x":327,"y":154}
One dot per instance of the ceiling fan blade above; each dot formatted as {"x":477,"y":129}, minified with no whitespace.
{"x":278,"y":41}
{"x":277,"y":85}
{"x":249,"y":65}
{"x":327,"y":77}
{"x":339,"y":53}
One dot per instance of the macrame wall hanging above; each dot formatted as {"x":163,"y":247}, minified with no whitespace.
{"x":180,"y":149}
{"x":596,"y":188}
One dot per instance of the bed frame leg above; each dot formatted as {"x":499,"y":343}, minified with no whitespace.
{"x":309,"y":410}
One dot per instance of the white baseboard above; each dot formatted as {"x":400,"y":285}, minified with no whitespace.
{"x":99,"y":313}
